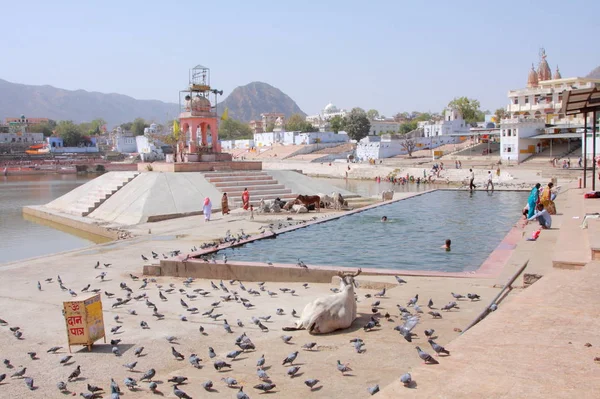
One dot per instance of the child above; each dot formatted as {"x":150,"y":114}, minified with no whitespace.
{"x":447,"y":245}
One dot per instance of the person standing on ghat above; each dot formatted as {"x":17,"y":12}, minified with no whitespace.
{"x":472,"y":178}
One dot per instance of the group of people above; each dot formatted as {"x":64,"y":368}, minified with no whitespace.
{"x":207,"y":208}
{"x":540,"y":205}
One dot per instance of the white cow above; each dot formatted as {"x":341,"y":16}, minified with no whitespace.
{"x":338,"y":201}
{"x":330,"y":313}
{"x":387,"y":195}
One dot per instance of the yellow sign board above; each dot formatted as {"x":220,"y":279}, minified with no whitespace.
{"x":84,"y":321}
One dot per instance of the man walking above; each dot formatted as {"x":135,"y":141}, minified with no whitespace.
{"x":489,"y":181}
{"x":472,"y":177}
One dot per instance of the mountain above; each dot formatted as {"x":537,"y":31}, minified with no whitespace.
{"x":78,"y":105}
{"x":246,"y":103}
{"x":595,"y":74}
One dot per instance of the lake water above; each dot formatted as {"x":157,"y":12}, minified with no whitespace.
{"x":24,"y":236}
{"x":410,"y":240}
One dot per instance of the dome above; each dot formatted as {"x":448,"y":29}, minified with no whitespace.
{"x":200,"y":103}
{"x":557,"y":74}
{"x":532,"y":79}
{"x":330,"y":109}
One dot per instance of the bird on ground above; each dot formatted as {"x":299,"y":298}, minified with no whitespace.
{"x":211,"y":352}
{"x":279,"y":312}
{"x":130,"y":366}
{"x":39,"y":286}
{"x":406,"y":379}
{"x":219,"y":364}
{"x":176,"y":354}
{"x":29,"y":383}
{"x":230,"y":381}
{"x":286,"y":338}
{"x":400,"y":280}
{"x":373,"y":390}
{"x":171,"y":338}
{"x":380,"y":293}
{"x":309,"y":346}
{"x":413,"y":300}
{"x":261,"y":361}
{"x":20,"y":373}
{"x":54,"y":349}
{"x":294,"y":313}
{"x":301,"y":264}
{"x":430,"y":304}
{"x":239,"y":323}
{"x":97,"y":265}
{"x":241,"y":394}
{"x":438,"y":348}
{"x":62,"y":386}
{"x":343,"y":368}
{"x":115,"y":342}
{"x":371,"y":324}
{"x":177,"y":379}
{"x":18,"y":334}
{"x":89,"y":395}
{"x":107,"y":264}
{"x":72,"y":293}
{"x":429,"y":332}
{"x":311,"y":383}
{"x":262,"y":374}
{"x":195,"y":361}
{"x":101,"y":276}
{"x":75,"y":374}
{"x":451,"y":305}
{"x":109,"y":294}
{"x":65,"y":359}
{"x":148,"y":375}
{"x":233,"y":354}
{"x":162,"y":296}
{"x":115,"y":329}
{"x":358,"y":346}
{"x":290,"y":358}
{"x":32,"y":355}
{"x":473,"y":297}
{"x":93,"y":388}
{"x":265,"y":387}
{"x":183,"y":318}
{"x":138,"y":351}
{"x":426,"y":357}
{"x":263,"y":327}
{"x":130,"y":383}
{"x":144,"y":325}
{"x":226,"y":326}
{"x":207,"y":385}
{"x":292,"y":371}
{"x":116,"y":351}
{"x":144,"y":258}
{"x":133,"y":277}
{"x":435,"y":315}
{"x":457,"y":296}
{"x":153,"y":387}
{"x":114,"y":387}
{"x":87,"y":287}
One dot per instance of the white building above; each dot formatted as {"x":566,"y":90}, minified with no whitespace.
{"x":124,"y":142}
{"x":386,"y":146}
{"x":298,"y":138}
{"x":452,"y":125}
{"x":321,"y":120}
{"x":20,"y":138}
{"x":531,"y":108}
{"x":237,"y":144}
{"x":153,"y":129}
{"x":383,"y":126}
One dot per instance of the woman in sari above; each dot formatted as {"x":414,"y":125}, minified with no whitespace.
{"x":534,"y":197}
{"x":207,"y":209}
{"x":225,"y":204}
{"x":547,"y":199}
{"x":246,"y":199}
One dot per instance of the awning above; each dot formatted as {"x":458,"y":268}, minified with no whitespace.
{"x":557,"y":136}
{"x":581,"y":100}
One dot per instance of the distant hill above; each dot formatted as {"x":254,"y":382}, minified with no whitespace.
{"x":246,"y":103}
{"x":78,"y":105}
{"x":595,"y":74}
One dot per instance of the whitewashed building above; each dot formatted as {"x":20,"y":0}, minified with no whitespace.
{"x":383,"y":126}
{"x":237,"y":144}
{"x":298,"y":138}
{"x":321,"y":120}
{"x":386,"y":146}
{"x":20,"y":137}
{"x":453,"y":124}
{"x":124,"y":142}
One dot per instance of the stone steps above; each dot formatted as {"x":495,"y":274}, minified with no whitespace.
{"x":96,"y":197}
{"x":245,"y":183}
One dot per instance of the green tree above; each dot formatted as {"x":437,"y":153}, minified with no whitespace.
{"x":295,"y":123}
{"x":230,"y":129}
{"x":138,"y":126}
{"x":47,"y":128}
{"x":126,"y":126}
{"x":97,"y":125}
{"x":69,"y":132}
{"x":372,"y":114}
{"x":468,"y":108}
{"x":407,"y":127}
{"x":500,"y":114}
{"x":336,"y":123}
{"x":357,"y":124}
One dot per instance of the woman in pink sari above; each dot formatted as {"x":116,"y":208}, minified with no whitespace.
{"x":207,"y":209}
{"x":246,"y":199}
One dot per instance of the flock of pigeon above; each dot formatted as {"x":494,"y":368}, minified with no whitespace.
{"x":233,"y":293}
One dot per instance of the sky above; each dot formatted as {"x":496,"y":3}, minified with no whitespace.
{"x":393,"y":56}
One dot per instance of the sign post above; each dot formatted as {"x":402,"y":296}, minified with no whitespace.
{"x":84,"y":321}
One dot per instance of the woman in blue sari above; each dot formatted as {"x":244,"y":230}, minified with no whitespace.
{"x":533,"y":199}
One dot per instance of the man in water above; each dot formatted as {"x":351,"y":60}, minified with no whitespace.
{"x":472,"y":177}
{"x":446,"y":246}
{"x":384,"y":218}
{"x":542,"y":216}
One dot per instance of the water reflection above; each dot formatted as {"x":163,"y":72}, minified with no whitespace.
{"x":369,"y":188}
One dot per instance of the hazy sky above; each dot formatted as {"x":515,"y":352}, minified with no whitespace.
{"x":389,"y":55}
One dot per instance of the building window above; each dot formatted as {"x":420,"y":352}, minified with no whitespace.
{"x":516,"y":101}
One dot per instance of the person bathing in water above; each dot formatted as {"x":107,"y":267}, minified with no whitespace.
{"x":446,"y":246}
{"x":384,"y":218}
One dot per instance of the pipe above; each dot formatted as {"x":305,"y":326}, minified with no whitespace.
{"x":487,"y":310}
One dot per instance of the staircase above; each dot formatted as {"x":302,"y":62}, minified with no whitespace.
{"x":260,"y":184}
{"x":95,"y":197}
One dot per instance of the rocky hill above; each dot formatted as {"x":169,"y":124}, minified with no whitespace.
{"x":595,"y":74}
{"x":246,"y":103}
{"x":78,"y":105}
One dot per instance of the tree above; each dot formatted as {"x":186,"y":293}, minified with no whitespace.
{"x":138,"y":126}
{"x":407,"y":127}
{"x":468,"y":108}
{"x":372,"y":114}
{"x":357,"y":124}
{"x":409,"y":145}
{"x":46,"y":127}
{"x":126,"y":126}
{"x":295,"y":123}
{"x":69,"y":132}
{"x":336,"y":123}
{"x":97,"y":126}
{"x":500,"y":114}
{"x":230,"y":129}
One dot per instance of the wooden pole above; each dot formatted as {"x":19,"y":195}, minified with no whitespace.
{"x":487,"y":310}
{"x":584,"y":149}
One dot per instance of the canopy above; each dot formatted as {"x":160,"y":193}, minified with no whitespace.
{"x":581,"y":100}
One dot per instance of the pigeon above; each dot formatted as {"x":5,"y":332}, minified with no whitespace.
{"x":380,"y":293}
{"x":286,"y":338}
{"x":93,"y":388}
{"x":413,"y":301}
{"x":309,"y":346}
{"x":473,"y":297}
{"x":138,"y":351}
{"x":211,"y":352}
{"x":32,"y":355}
{"x":18,"y":334}
{"x":130,"y":383}
{"x":207,"y":385}
{"x":219,"y":364}
{"x":116,"y":351}
{"x":418,"y":309}
{"x":263,"y":327}
{"x":290,"y":358}
{"x":39,"y":286}
{"x":29,"y":383}
{"x":265,"y":387}
{"x":86,"y":288}
{"x":114,"y":387}
{"x":195,"y":360}
{"x":400,"y":280}
{"x":406,"y":379}
{"x":373,"y":390}
{"x":430,"y":304}
{"x":75,"y":374}
{"x":101,"y":276}
{"x":358,"y":346}
{"x":176,"y":354}
{"x":438,"y":348}
{"x":457,"y":296}
{"x":226,"y":326}
{"x":144,"y":325}
{"x":371,"y":324}
{"x":262,"y":374}
{"x":241,"y":394}
{"x":239,"y":323}
{"x":343,"y":368}
{"x":20,"y":373}
{"x":261,"y":361}
{"x":54,"y":349}
{"x":171,"y":338}
{"x":115,"y":342}
{"x":449,"y":306}
{"x":229,"y":381}
{"x":292,"y":371}
{"x":233,"y":354}
{"x":65,"y":359}
{"x":62,"y":386}
{"x":115,"y":329}
{"x":279,"y":312}
{"x":426,"y":357}
{"x":294,"y":313}
{"x":311,"y":383}
{"x":153,"y":387}
{"x":429,"y":333}
{"x":177,"y":379}
{"x":148,"y":375}
{"x":435,"y":315}
{"x":130,"y":366}
{"x":97,"y":265}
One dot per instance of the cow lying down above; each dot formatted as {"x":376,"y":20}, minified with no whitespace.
{"x":330,"y":313}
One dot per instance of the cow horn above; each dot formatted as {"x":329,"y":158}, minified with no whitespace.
{"x":357,"y":273}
